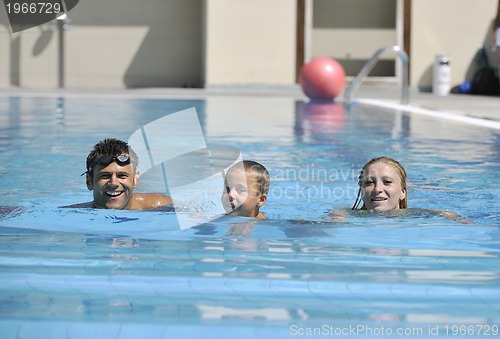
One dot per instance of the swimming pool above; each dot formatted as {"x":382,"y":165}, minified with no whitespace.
{"x":104,"y":273}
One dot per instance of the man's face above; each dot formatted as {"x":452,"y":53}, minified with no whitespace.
{"x":113,"y":185}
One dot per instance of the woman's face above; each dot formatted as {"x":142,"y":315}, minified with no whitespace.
{"x":382,"y":188}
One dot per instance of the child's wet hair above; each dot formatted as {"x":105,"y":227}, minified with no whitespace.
{"x":262,"y":175}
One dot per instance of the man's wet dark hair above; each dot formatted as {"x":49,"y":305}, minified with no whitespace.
{"x":113,"y":148}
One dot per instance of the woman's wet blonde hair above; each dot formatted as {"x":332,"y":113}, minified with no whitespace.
{"x":399,"y":170}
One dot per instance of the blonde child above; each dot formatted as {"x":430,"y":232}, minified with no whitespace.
{"x":245,"y":189}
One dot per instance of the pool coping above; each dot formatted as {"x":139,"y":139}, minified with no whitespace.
{"x":476,"y":110}
{"x":457,"y":117}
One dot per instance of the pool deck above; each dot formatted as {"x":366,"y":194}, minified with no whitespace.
{"x":485,"y":108}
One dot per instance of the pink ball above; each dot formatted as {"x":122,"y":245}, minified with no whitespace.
{"x":322,"y":78}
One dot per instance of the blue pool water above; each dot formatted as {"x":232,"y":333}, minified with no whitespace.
{"x":78,"y":273}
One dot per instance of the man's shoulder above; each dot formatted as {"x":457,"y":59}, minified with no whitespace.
{"x":150,"y":200}
{"x":139,"y":201}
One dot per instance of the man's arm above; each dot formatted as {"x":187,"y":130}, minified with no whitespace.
{"x":89,"y":204}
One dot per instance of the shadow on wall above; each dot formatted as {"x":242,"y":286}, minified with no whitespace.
{"x":44,"y":33}
{"x":425,"y":82}
{"x":43,"y":40}
{"x":166,"y":62}
{"x":170,"y":55}
{"x":15,"y":63}
{"x":14,"y":50}
{"x":40,"y":45}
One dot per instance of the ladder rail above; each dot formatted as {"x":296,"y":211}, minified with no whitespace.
{"x":368,"y":67}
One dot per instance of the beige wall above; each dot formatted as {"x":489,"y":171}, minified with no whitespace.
{"x":38,"y":47}
{"x":122,"y":43}
{"x":452,"y":27}
{"x":112,"y":44}
{"x":349,"y":35}
{"x":250,"y":42}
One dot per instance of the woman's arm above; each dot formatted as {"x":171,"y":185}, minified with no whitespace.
{"x":453,"y":216}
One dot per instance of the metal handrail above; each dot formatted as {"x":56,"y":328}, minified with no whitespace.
{"x":369,"y":65}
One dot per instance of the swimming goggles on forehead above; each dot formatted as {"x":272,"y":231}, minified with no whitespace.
{"x":105,"y":160}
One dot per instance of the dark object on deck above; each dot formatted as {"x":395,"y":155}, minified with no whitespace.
{"x":485,"y":82}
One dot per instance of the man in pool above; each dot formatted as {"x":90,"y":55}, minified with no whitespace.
{"x":245,"y":189}
{"x":112,"y":175}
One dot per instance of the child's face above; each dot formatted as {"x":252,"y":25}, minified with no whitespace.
{"x":241,"y":194}
{"x":382,"y":188}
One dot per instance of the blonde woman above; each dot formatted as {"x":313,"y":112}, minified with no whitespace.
{"x":382,"y":186}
